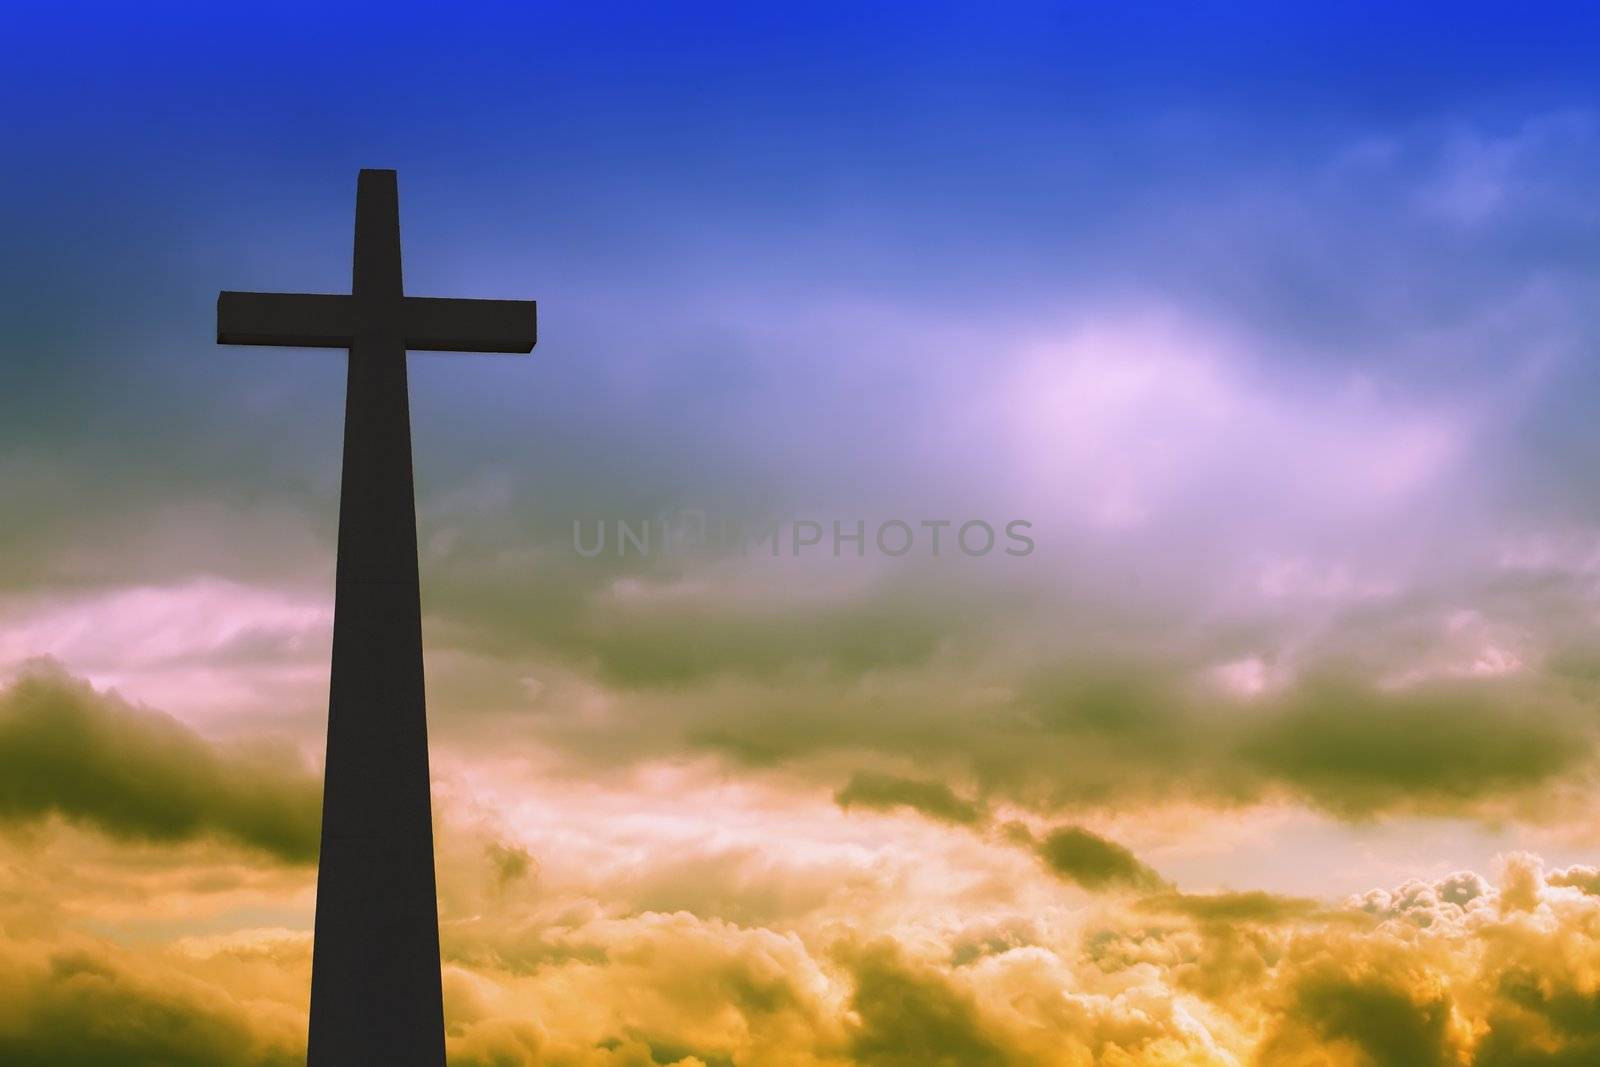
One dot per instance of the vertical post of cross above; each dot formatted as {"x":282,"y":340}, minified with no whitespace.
{"x":375,"y":984}
{"x":375,"y":987}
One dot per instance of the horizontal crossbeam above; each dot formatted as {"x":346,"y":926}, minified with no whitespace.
{"x":296,"y":320}
{"x":434,"y":324}
{"x":427,"y":324}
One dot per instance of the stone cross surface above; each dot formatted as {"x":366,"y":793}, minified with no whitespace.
{"x":375,"y":989}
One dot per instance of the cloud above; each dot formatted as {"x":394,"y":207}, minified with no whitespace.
{"x":1356,"y":749}
{"x":1093,"y":862}
{"x":1451,"y":972}
{"x":1176,"y":979}
{"x":885,"y":792}
{"x":652,"y":988}
{"x":1253,"y":906}
{"x":1582,"y":878}
{"x":77,"y":1002}
{"x":90,"y":757}
{"x":911,"y":1017}
{"x":200,"y":646}
{"x":1079,"y":735}
{"x":1388,"y":1023}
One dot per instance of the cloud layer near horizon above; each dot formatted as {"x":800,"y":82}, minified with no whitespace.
{"x":67,"y":750}
{"x":1455,"y":972}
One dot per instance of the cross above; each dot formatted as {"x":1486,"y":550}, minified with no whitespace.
{"x":377,"y":307}
{"x":375,"y":985}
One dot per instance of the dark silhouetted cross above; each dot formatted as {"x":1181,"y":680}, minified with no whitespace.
{"x":375,"y":988}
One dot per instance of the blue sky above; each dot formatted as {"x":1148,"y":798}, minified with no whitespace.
{"x":647,"y":171}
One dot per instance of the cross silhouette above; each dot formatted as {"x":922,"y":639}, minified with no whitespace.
{"x":375,"y":986}
{"x":377,"y":307}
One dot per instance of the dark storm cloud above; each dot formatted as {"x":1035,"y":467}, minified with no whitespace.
{"x":1077,"y":855}
{"x":1392,"y":1025}
{"x":886,"y":792}
{"x":1247,"y":907}
{"x":70,"y":751}
{"x":1354,"y":749}
{"x":913,"y":1017}
{"x":79,"y":1002}
{"x":1541,"y":1023}
{"x":1332,"y":739}
{"x":1071,"y":853}
{"x":1082,"y":734}
{"x":84,"y":1005}
{"x":1341,"y":743}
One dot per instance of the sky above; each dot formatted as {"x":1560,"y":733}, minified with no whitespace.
{"x":1262,"y":340}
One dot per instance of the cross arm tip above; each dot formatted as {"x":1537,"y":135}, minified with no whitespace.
{"x":445,"y":325}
